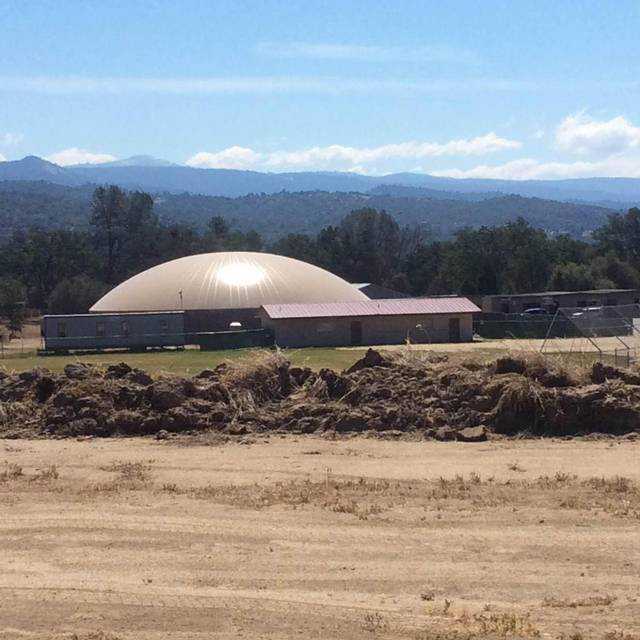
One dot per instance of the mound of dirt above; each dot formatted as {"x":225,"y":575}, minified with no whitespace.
{"x":383,"y":393}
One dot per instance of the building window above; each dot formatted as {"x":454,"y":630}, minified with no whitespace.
{"x":125,"y":328}
{"x":62,"y":329}
{"x":610,"y":302}
{"x":164,"y":326}
{"x":100,"y":329}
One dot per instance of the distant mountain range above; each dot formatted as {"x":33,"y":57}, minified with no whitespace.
{"x":151,"y":174}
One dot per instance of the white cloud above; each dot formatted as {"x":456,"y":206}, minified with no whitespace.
{"x":366,"y":53}
{"x":613,"y":146}
{"x":74,"y":155}
{"x":9,"y":139}
{"x":62,"y":85}
{"x":231,"y":158}
{"x":581,"y":134}
{"x":530,"y":169}
{"x":339,"y":157}
{"x":2,"y":158}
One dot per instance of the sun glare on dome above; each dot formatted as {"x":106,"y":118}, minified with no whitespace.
{"x":240,"y":274}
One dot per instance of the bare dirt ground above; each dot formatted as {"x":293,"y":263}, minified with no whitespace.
{"x":305,"y":537}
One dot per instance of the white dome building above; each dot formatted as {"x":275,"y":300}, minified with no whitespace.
{"x":226,"y":281}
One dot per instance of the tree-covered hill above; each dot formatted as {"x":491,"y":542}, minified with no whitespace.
{"x":25,"y":204}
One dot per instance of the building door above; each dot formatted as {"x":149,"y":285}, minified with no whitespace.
{"x":454,"y":329}
{"x":356,"y":332}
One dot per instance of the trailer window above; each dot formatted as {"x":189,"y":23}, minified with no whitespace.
{"x":62,"y":329}
{"x":100,"y":330}
{"x":164,"y":326}
{"x":125,"y":328}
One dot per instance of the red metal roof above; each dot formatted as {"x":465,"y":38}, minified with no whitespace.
{"x":390,"y":307}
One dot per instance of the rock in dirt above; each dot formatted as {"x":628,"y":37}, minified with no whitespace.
{"x":472,"y":434}
{"x":78,"y":371}
{"x":445,"y":434}
{"x":117,"y":371}
{"x":372,"y":358}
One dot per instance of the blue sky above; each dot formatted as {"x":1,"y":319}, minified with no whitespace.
{"x":489,"y":89}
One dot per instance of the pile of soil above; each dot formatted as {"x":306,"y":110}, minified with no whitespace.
{"x":387,"y":394}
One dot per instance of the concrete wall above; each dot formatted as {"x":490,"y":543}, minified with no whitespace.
{"x":329,"y":332}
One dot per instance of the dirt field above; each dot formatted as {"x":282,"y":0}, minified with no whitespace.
{"x":314,"y":538}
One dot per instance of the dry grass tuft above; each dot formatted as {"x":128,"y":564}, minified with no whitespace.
{"x":48,"y":474}
{"x":480,"y":626}
{"x":589,"y":601}
{"x":132,"y":476}
{"x":11,"y":471}
{"x":375,"y":623}
{"x":619,"y":634}
{"x":512,"y":625}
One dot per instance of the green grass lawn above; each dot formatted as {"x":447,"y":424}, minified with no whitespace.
{"x":191,"y":361}
{"x":187,"y":362}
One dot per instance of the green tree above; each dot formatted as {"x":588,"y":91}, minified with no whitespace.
{"x":109,"y":221}
{"x":76,"y":295}
{"x":617,"y":272}
{"x":528,"y":264}
{"x":296,"y":245}
{"x":13,"y":303}
{"x":621,"y":236}
{"x":140,"y":236}
{"x":570,"y":276}
{"x":40,"y":259}
{"x":216,"y":235}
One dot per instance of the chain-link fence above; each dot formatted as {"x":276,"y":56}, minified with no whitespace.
{"x":611,"y":333}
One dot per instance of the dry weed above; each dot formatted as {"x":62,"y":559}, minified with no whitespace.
{"x":367,"y":497}
{"x":375,"y":623}
{"x":481,"y":626}
{"x":132,"y":476}
{"x":11,"y":471}
{"x":513,"y":625}
{"x":47,"y":474}
{"x":589,"y":601}
{"x":619,"y":634}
